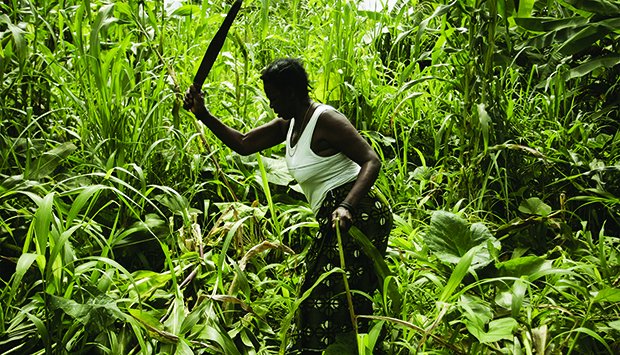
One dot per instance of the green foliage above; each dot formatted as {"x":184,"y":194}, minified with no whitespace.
{"x":449,"y":238}
{"x":124,"y":230}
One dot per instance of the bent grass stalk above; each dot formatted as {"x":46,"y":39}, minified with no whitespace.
{"x":345,"y":280}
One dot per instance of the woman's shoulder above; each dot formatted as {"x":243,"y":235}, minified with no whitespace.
{"x":330,"y":115}
{"x":332,"y":122}
{"x":327,"y":108}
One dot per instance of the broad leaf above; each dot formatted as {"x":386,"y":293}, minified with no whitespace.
{"x":183,"y":348}
{"x":21,"y":45}
{"x":97,"y":313}
{"x":583,"y":39}
{"x":599,"y":7}
{"x":549,"y":24}
{"x":525,"y":8}
{"x":475,"y":310}
{"x":608,"y":295}
{"x":42,"y":224}
{"x":147,"y":282}
{"x":591,"y":65}
{"x":450,"y":238}
{"x":276,"y":171}
{"x":49,"y":161}
{"x":23,"y":264}
{"x":220,"y":337}
{"x":497,"y":330}
{"x":151,"y":222}
{"x":459,"y":272}
{"x":186,"y":10}
{"x":523,"y":266}
{"x":535,"y":206}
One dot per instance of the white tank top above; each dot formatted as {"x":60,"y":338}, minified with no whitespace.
{"x":315,"y":174}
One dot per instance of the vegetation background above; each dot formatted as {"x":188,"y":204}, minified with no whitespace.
{"x":125,"y":230}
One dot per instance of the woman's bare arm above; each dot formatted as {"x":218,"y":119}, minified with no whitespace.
{"x":340,"y":134}
{"x":265,"y":136}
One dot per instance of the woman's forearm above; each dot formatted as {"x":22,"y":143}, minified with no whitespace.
{"x":365,"y":179}
{"x":231,"y":137}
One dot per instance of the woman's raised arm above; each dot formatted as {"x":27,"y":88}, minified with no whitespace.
{"x":265,"y":136}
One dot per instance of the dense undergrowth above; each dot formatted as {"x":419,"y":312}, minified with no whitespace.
{"x":124,"y":230}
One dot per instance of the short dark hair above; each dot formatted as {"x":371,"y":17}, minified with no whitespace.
{"x":287,"y":74}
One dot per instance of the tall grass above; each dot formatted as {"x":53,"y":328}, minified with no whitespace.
{"x":125,"y":230}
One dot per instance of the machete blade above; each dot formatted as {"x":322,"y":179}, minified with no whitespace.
{"x":215,"y":46}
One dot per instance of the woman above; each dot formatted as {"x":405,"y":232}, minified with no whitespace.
{"x":336,"y":169}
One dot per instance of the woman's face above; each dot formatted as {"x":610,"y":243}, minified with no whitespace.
{"x":281,"y":102}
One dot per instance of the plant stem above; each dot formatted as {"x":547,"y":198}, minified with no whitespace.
{"x":344,"y":279}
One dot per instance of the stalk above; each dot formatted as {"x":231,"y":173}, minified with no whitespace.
{"x":265,"y":183}
{"x":344,"y":279}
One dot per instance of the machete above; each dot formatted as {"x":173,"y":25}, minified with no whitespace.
{"x":215,"y":46}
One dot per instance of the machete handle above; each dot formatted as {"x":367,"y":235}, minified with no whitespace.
{"x":188,"y":105}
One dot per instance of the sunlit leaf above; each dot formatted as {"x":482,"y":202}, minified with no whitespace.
{"x":80,"y":201}
{"x":220,"y":337}
{"x":498,"y":329}
{"x":175,"y":316}
{"x":525,"y":8}
{"x":153,"y":325}
{"x":485,"y":120}
{"x":18,"y":37}
{"x":42,"y":224}
{"x":608,"y":295}
{"x":600,"y":7}
{"x":186,"y":10}
{"x":535,"y":206}
{"x":146,"y":318}
{"x":23,"y":265}
{"x":183,"y":348}
{"x":523,"y":266}
{"x":459,"y":272}
{"x":276,"y":171}
{"x":104,"y":19}
{"x":592,"y":65}
{"x":146,"y":282}
{"x":450,"y":237}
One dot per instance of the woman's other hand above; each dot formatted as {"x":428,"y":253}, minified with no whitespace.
{"x":343,"y":217}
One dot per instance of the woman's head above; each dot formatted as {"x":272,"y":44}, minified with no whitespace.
{"x":287,"y":75}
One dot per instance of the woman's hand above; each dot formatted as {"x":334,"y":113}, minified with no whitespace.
{"x":194,"y":100}
{"x":343,"y":217}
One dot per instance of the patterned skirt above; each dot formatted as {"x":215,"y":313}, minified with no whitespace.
{"x":325,"y":313}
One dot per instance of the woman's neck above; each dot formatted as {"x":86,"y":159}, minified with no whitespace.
{"x":303,"y":112}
